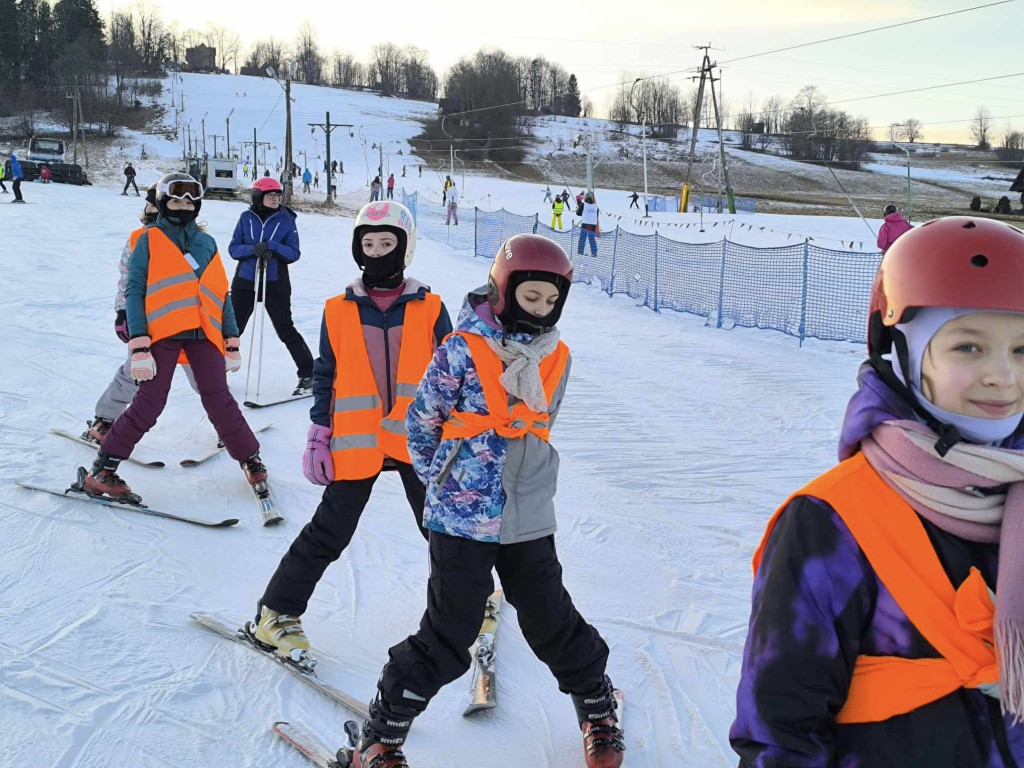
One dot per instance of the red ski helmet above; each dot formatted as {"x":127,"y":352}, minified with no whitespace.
{"x":956,"y":261}
{"x":267,"y":184}
{"x":522,"y":258}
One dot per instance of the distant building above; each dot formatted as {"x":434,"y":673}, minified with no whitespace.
{"x":201,"y":58}
{"x":253,"y":71}
{"x":1018,"y":184}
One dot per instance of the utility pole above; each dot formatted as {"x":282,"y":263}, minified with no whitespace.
{"x":255,"y":149}
{"x":227,"y":129}
{"x":204,"y":134}
{"x":707,"y":68}
{"x":288,"y":139}
{"x":215,"y":137}
{"x":643,"y":141}
{"x":327,"y":127}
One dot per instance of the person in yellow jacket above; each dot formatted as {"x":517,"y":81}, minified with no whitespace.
{"x":479,"y":437}
{"x":2,"y":173}
{"x":557,"y":208}
{"x":376,"y":340}
{"x":887,"y":621}
{"x":176,"y":300}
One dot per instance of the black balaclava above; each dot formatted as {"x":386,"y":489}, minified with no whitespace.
{"x":387,"y":271}
{"x":149,"y":218}
{"x":181,"y":218}
{"x":515,"y":319}
{"x":259,"y":208}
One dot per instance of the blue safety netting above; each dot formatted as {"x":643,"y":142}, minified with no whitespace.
{"x":801,"y":289}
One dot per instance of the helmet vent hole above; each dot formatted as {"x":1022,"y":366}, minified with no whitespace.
{"x":970,"y":225}
{"x":979,"y":260}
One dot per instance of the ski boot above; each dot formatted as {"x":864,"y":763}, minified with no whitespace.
{"x":304,"y":387}
{"x":255,"y":472}
{"x":97,"y":430}
{"x":603,"y":746}
{"x":380,"y":745}
{"x":103,"y":480}
{"x":282,"y":634}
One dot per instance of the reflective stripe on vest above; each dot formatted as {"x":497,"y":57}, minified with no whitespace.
{"x":957,"y":621}
{"x":133,"y":240}
{"x":512,"y":422}
{"x":176,"y":300}
{"x":362,"y":433}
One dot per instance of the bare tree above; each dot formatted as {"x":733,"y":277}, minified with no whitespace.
{"x":912,"y":130}
{"x":587,"y":107}
{"x":981,"y":126}
{"x":266,"y":53}
{"x":226,"y":41}
{"x":309,"y":63}
{"x":386,"y":60}
{"x":773,"y":113}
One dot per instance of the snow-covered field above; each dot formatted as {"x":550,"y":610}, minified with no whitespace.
{"x":677,"y":442}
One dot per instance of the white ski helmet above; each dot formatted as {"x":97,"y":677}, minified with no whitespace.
{"x":389,"y":214}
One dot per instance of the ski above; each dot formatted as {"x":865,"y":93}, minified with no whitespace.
{"x":290,"y":398}
{"x":218,"y":449}
{"x":313,"y":678}
{"x":314,"y":749}
{"x":95,"y":446}
{"x":266,"y":503}
{"x":74,"y":492}
{"x":483,"y":684}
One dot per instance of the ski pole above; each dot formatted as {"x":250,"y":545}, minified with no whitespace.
{"x":263,"y":324}
{"x":252,"y":330}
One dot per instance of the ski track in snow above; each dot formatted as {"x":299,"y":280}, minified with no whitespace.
{"x":677,"y":442}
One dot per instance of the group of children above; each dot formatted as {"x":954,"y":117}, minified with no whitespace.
{"x":877,"y":635}
{"x":463,"y":417}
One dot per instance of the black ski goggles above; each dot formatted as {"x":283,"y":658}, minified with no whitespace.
{"x":182,"y":189}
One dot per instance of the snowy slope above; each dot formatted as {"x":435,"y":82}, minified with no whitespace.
{"x":677,"y":442}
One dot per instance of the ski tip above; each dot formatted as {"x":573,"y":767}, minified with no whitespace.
{"x":227,"y":523}
{"x":250,"y":404}
{"x":472,"y":709}
{"x":153,"y":464}
{"x":188,"y":463}
{"x":272,"y":521}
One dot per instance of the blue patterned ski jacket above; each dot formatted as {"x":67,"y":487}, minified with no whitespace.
{"x":486,"y":488}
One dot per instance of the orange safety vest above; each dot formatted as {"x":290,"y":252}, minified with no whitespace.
{"x":512,"y":422}
{"x":957,"y":621}
{"x":133,"y":238}
{"x":176,"y":300}
{"x":363,"y":433}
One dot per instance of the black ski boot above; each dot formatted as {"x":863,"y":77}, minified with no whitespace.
{"x":304,"y":387}
{"x":380,"y":744}
{"x":603,"y":744}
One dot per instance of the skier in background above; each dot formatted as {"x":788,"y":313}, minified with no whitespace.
{"x":2,"y":173}
{"x":376,"y":340}
{"x":129,"y":179}
{"x":478,"y":436}
{"x":391,"y":187}
{"x":307,"y":177}
{"x":633,"y":201}
{"x":590,"y":224}
{"x":888,"y":598}
{"x":375,"y":189}
{"x":444,"y":189}
{"x":547,"y":194}
{"x":45,"y":175}
{"x":267,"y":232}
{"x":557,"y":208}
{"x":453,"y":204}
{"x":187,"y":310}
{"x":892,"y":228}
{"x":17,"y":175}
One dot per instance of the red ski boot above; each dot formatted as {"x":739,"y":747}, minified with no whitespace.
{"x":383,"y":735}
{"x":103,"y":480}
{"x":255,"y":471}
{"x":603,"y":745}
{"x":97,"y":430}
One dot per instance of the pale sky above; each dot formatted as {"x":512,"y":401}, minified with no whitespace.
{"x":600,"y":40}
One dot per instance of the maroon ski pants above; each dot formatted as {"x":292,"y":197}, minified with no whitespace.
{"x":211,"y":380}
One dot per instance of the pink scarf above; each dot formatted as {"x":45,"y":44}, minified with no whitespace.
{"x":944,"y":491}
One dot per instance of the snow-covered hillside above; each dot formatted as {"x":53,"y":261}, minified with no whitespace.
{"x":677,"y":442}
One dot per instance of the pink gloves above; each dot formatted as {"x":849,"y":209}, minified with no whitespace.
{"x":143,"y":364}
{"x":232,"y":357}
{"x":317,"y":464}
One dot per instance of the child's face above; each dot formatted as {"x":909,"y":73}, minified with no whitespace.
{"x":184,"y":204}
{"x":151,"y":209}
{"x":974,"y":366}
{"x":376,"y":244}
{"x":272,"y":199}
{"x":537,"y":297}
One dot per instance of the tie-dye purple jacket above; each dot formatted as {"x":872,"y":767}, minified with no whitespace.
{"x":817,"y":604}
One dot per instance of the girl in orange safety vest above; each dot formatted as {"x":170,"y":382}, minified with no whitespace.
{"x":176,"y":300}
{"x":887,"y":625}
{"x":376,"y":340}
{"x":479,"y":438}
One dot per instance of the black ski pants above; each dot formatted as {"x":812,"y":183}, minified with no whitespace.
{"x":129,"y":181}
{"x":16,"y":187}
{"x":460,"y":583}
{"x":278,"y":300}
{"x":326,"y":536}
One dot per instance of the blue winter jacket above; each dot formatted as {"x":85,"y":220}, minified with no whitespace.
{"x":278,"y":232}
{"x":486,"y":488}
{"x":307,"y":177}
{"x":16,"y":168}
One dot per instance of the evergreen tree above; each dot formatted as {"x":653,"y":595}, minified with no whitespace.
{"x":571,"y":99}
{"x":10,"y":52}
{"x":79,"y":26}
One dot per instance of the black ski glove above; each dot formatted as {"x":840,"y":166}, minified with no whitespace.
{"x":262,"y":251}
{"x":121,"y":325}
